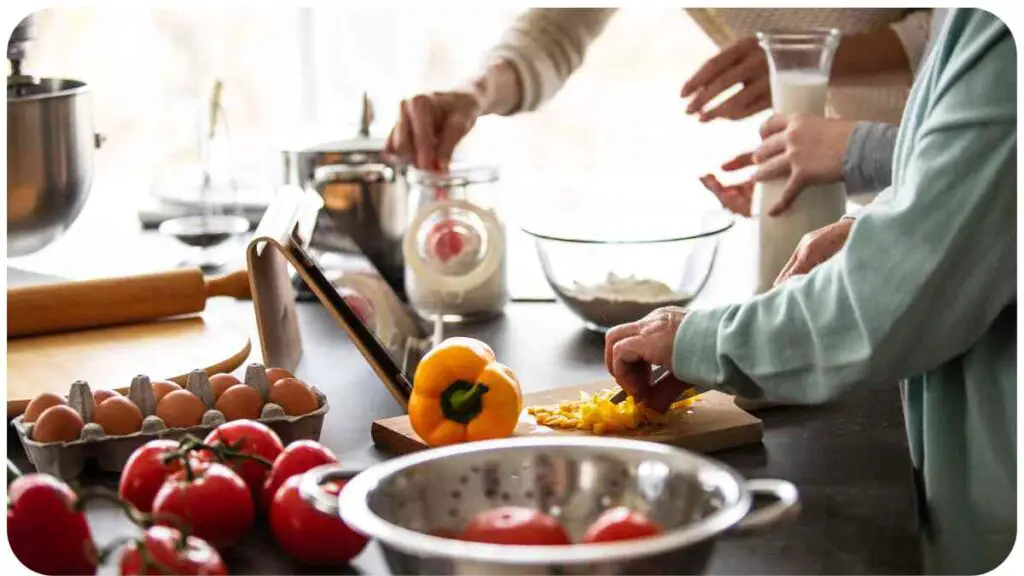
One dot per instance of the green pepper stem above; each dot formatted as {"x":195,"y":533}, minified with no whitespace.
{"x":463,"y":400}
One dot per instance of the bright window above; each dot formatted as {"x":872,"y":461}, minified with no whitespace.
{"x":289,"y":70}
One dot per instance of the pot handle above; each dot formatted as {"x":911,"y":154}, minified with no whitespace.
{"x":786,"y":505}
{"x":310,"y":486}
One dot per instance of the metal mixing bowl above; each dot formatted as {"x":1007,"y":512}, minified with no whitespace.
{"x":693,"y":498}
{"x":50,"y":148}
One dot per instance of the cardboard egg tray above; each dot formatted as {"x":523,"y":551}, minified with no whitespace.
{"x":66,"y":460}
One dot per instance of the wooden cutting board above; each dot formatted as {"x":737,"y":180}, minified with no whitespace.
{"x":111,"y":357}
{"x":715,"y":423}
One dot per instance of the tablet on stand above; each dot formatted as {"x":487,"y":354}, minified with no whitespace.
{"x":393,"y":340}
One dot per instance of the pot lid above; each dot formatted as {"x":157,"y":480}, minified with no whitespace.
{"x":361,"y":143}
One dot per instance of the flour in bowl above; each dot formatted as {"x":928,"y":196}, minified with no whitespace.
{"x":620,"y":300}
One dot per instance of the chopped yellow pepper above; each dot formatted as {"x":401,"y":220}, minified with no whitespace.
{"x":596,"y":413}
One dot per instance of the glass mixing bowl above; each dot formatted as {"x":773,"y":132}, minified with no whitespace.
{"x":613,"y":269}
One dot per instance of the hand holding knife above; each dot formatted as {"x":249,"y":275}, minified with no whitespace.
{"x":656,"y":375}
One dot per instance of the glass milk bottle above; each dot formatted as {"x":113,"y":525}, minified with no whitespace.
{"x":799,"y":63}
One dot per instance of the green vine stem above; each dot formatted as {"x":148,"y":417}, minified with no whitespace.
{"x":223,"y":453}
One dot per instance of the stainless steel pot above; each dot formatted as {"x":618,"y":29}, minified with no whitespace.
{"x":694,"y":499}
{"x":365,"y":196}
{"x":50,"y":148}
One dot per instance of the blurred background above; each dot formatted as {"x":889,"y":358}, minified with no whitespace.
{"x":289,"y":73}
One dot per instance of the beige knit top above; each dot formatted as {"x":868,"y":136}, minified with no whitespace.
{"x":546,"y":45}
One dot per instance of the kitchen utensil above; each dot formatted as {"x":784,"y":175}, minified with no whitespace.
{"x":59,"y":307}
{"x":614,"y":268}
{"x":364,"y":193}
{"x":713,"y":423}
{"x":110,"y":357}
{"x":454,"y":248}
{"x":658,"y":373}
{"x":67,"y":459}
{"x":694,"y":499}
{"x":50,"y":147}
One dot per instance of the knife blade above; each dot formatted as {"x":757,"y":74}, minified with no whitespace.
{"x":656,"y":375}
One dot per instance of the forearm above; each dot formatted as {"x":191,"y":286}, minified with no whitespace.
{"x":544,"y":46}
{"x":498,"y":89}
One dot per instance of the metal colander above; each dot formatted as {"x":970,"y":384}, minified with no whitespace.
{"x":694,"y":499}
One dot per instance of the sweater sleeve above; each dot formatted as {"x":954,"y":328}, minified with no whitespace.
{"x":867,"y":165}
{"x":545,"y":46}
{"x":922,"y":275}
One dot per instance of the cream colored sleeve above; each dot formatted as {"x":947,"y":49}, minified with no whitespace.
{"x":914,"y":31}
{"x":545,"y":46}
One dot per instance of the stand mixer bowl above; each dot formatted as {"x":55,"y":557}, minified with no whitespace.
{"x":50,"y":149}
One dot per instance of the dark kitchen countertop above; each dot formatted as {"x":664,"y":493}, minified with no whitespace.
{"x":849,"y":458}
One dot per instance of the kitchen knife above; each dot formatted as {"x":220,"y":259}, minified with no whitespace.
{"x":656,"y":375}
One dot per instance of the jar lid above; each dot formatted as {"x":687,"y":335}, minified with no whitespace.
{"x":458,"y":175}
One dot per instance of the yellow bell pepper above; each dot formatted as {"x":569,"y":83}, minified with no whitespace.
{"x":460,"y":393}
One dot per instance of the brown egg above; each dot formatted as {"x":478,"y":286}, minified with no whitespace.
{"x":240,"y":402}
{"x":181,"y":409}
{"x":275,"y":374}
{"x":118,"y":416}
{"x":162,"y":388}
{"x":58,"y":423}
{"x":293,"y":396}
{"x":40,"y":403}
{"x":98,"y":396}
{"x":221,"y":382}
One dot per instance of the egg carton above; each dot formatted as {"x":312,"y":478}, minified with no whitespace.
{"x":66,"y":460}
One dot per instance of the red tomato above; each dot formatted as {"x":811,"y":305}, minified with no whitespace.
{"x":620,"y":523}
{"x":516,"y":526}
{"x":145,"y":472}
{"x":45,"y":532}
{"x":161,"y":551}
{"x":298,"y":457}
{"x":254,"y":438}
{"x":308,"y":535}
{"x":215,"y":503}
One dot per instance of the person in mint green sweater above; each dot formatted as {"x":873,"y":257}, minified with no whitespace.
{"x":923,"y":291}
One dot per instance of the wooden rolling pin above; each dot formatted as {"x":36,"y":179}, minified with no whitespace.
{"x":51,"y":308}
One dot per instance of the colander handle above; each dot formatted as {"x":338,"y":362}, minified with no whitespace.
{"x":786,"y":505}
{"x":310,"y":486}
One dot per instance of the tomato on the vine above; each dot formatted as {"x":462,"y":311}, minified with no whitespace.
{"x":620,"y":523}
{"x":515,"y":525}
{"x":308,"y":535}
{"x":298,"y":457}
{"x":252,"y":438}
{"x":210,"y":499}
{"x":45,"y":530}
{"x":146,"y":471}
{"x":161,"y":551}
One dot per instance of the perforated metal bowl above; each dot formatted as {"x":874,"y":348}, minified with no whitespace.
{"x":693,"y":498}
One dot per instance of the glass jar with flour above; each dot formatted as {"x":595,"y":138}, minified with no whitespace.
{"x":454,"y":248}
{"x":799,"y":63}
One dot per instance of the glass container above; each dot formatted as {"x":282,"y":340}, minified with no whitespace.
{"x":799,"y":63}
{"x":454,"y":248}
